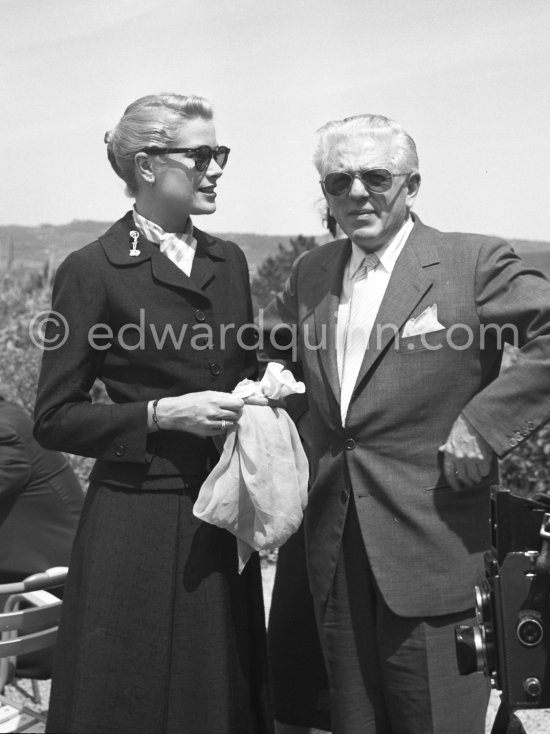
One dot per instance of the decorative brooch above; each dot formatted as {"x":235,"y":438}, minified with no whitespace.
{"x":134,"y":252}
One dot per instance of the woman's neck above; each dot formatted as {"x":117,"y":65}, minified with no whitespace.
{"x":154,"y":212}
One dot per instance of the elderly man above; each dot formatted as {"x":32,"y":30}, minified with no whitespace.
{"x":400,"y":333}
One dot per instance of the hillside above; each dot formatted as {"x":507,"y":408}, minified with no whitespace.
{"x":33,"y":246}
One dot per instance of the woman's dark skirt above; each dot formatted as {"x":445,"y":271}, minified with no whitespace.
{"x":159,"y":633}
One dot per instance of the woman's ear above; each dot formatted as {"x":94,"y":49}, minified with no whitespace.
{"x":144,"y":168}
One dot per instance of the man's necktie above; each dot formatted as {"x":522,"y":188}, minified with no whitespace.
{"x":357,"y":336}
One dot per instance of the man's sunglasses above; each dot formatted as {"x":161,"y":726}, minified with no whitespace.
{"x":375,"y":180}
{"x":202,"y":155}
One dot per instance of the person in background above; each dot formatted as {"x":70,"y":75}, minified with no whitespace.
{"x":40,"y":499}
{"x":40,"y":503}
{"x":400,"y":330}
{"x":159,"y":633}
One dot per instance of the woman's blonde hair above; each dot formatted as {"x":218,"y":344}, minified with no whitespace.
{"x":154,"y":120}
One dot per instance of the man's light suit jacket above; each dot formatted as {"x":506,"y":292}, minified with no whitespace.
{"x":425,"y":542}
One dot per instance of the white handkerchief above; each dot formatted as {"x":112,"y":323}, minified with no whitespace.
{"x":424,"y":323}
{"x":276,"y":383}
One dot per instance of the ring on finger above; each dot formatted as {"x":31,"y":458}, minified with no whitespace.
{"x":223,"y":425}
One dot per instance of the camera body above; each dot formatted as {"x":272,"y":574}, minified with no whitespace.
{"x":511,"y":641}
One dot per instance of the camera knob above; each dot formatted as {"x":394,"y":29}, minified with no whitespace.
{"x":532,"y":687}
{"x":530,"y":630}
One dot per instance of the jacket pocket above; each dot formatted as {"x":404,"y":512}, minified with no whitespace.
{"x":430,"y":342}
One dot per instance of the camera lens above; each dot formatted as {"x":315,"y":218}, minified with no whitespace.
{"x":530,"y":630}
{"x":474,"y":649}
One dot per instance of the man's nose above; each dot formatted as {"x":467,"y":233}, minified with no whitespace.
{"x":358,"y":189}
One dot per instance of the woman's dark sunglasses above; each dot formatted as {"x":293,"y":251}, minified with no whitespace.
{"x":202,"y":155}
{"x":375,"y":180}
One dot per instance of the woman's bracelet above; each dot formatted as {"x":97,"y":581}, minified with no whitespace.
{"x":155,"y":416}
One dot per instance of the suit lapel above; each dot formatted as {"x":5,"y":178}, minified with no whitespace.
{"x":117,"y":244}
{"x":409,"y":282}
{"x":325,"y":314}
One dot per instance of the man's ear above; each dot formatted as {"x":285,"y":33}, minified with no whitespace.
{"x":413,"y":185}
{"x":144,"y":168}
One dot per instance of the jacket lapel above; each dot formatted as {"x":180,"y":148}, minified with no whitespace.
{"x":205,"y":266}
{"x":409,"y":282}
{"x":117,"y":245}
{"x":205,"y":263}
{"x":325,"y":314}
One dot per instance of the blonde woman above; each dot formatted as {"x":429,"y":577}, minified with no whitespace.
{"x":159,"y":632}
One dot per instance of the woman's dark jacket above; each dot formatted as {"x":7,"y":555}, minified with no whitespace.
{"x":147,"y":331}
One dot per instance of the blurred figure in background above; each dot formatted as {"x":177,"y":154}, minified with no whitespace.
{"x":40,"y":503}
{"x":40,"y":500}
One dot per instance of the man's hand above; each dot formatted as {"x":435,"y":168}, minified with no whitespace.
{"x":467,"y":457}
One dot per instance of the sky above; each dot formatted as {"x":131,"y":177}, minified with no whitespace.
{"x":468,"y":80}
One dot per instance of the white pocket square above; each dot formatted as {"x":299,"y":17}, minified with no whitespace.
{"x":424,"y":323}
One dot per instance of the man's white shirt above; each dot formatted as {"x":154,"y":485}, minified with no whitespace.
{"x":371,"y":292}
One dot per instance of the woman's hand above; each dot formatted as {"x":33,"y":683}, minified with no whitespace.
{"x":203,"y":413}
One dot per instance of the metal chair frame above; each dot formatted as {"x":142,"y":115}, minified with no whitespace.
{"x":28,"y":623}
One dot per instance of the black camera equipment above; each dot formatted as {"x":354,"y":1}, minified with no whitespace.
{"x":511,"y":641}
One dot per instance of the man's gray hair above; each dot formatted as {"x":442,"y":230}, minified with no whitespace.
{"x":405,"y":156}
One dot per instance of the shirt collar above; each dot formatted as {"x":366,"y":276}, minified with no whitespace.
{"x":154,"y":233}
{"x":387,"y":254}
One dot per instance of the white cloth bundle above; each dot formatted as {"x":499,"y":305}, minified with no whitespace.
{"x":258,"y":488}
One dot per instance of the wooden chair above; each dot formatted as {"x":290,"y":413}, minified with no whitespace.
{"x":28,"y":623}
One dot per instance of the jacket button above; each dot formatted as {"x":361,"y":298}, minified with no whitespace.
{"x":120,"y":450}
{"x":525,"y":431}
{"x":349,"y":444}
{"x":214,"y":368}
{"x":513,"y":442}
{"x":200,"y":315}
{"x":530,"y":425}
{"x":344,"y":496}
{"x":519,"y":436}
